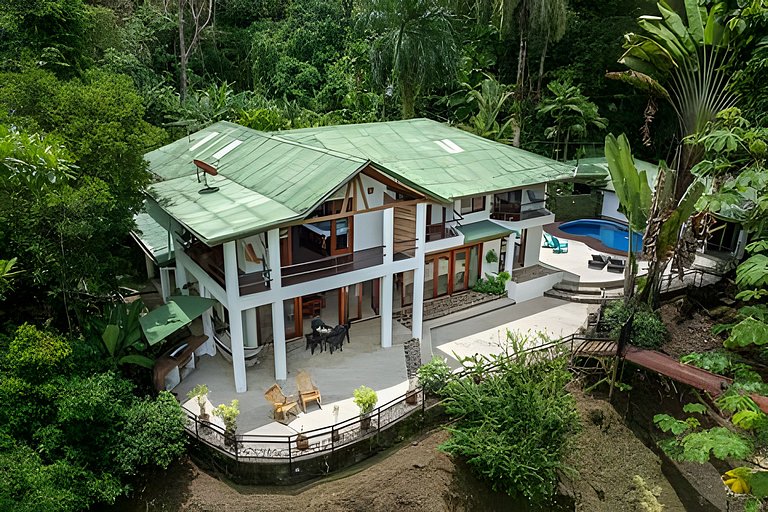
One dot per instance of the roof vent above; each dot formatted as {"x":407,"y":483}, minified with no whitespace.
{"x":449,"y":146}
{"x":205,"y":169}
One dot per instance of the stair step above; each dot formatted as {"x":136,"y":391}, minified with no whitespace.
{"x":580,"y":298}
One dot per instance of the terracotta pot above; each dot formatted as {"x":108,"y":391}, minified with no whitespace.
{"x":412,"y":397}
{"x":302,"y":443}
{"x":365,"y":422}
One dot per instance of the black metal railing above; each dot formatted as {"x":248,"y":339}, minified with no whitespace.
{"x":516,"y":211}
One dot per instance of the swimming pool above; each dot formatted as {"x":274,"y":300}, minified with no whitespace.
{"x":611,"y":234}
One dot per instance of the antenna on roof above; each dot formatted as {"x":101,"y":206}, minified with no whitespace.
{"x":206,"y":170}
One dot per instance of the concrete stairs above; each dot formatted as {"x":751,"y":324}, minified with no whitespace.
{"x":587,"y":293}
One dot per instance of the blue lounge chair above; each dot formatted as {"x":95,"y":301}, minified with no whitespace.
{"x":560,"y":246}
{"x":548,"y":243}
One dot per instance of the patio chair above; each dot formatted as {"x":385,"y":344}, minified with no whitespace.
{"x":560,"y":246}
{"x":598,"y":262}
{"x":307,"y":390}
{"x":282,"y":405}
{"x":548,"y":243}
{"x":616,"y":265}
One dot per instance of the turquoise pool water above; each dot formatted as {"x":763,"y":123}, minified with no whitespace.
{"x":611,"y":234}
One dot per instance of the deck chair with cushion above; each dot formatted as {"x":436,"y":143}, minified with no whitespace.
{"x":282,"y":405}
{"x":548,"y":243}
{"x":598,"y":262}
{"x":307,"y":390}
{"x":616,"y":265}
{"x":560,"y":246}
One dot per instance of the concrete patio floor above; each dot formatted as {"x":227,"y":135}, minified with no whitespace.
{"x":575,"y":262}
{"x":362,"y":362}
{"x":485,"y":334}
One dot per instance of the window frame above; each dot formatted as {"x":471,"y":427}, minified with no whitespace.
{"x":472,"y":208}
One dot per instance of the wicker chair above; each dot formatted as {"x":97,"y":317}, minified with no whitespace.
{"x":307,"y":390}
{"x":282,"y":405}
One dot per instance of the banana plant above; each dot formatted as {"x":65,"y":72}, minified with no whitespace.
{"x":491,"y":104}
{"x":634,"y":196}
{"x":121,"y":335}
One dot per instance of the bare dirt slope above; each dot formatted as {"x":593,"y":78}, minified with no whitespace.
{"x":607,"y":457}
{"x":415,"y":478}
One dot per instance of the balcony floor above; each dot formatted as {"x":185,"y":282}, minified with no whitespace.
{"x":363,"y":362}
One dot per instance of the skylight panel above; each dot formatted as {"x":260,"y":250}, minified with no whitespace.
{"x":203,"y":140}
{"x":226,"y":149}
{"x":449,"y":146}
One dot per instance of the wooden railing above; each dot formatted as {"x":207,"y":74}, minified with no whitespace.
{"x":513,"y":212}
{"x":332,"y":265}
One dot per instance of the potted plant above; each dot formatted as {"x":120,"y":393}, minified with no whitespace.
{"x":491,"y":256}
{"x":201,"y":393}
{"x":229,"y":414}
{"x":434,"y":375}
{"x":365,"y":398}
{"x":302,"y":442}
{"x":412,"y":395}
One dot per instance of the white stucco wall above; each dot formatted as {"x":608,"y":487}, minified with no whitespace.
{"x":368,"y":230}
{"x":533,"y":245}
{"x":611,"y":206}
{"x":490,"y":268}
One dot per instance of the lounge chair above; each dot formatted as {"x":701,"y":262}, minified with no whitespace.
{"x":307,"y":390}
{"x":282,"y":405}
{"x":616,"y":265}
{"x":548,"y":243}
{"x":598,"y":262}
{"x":560,"y":246}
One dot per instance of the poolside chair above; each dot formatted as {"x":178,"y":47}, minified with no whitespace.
{"x":548,"y":243}
{"x":598,"y":262}
{"x":560,"y":246}
{"x":616,"y":265}
{"x":307,"y":390}
{"x":282,"y":405}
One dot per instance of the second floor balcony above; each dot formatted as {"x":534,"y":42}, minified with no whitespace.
{"x":516,"y":211}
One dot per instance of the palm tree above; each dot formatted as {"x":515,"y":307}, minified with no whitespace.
{"x":414,"y":47}
{"x":572,"y":113}
{"x":550,"y":21}
{"x":491,"y":102}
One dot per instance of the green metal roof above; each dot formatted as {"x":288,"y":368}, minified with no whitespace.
{"x":483,"y":230}
{"x":597,"y":169}
{"x":180,"y":310}
{"x":448,"y":162}
{"x":263,"y":181}
{"x":268,"y":180}
{"x":154,"y":238}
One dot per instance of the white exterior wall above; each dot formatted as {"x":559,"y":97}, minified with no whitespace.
{"x":490,"y":268}
{"x":533,"y":245}
{"x":611,"y":206}
{"x":368,"y":230}
{"x":477,"y":216}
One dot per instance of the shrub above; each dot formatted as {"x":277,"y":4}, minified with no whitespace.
{"x":365,"y":398}
{"x":493,"y":285}
{"x":434,"y":375}
{"x":648,"y":331}
{"x":513,"y":427}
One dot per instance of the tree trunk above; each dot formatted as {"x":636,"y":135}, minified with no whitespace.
{"x":408,"y":98}
{"x":629,"y":277}
{"x":183,"y":55}
{"x":516,"y":130}
{"x":541,"y":64}
{"x":565,"y":146}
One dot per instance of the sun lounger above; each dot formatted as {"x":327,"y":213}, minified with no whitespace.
{"x":616,"y":265}
{"x":560,"y":246}
{"x":598,"y":262}
{"x":548,"y":243}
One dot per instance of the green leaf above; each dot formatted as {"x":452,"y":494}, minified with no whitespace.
{"x":667,"y":423}
{"x":694,"y":408}
{"x":721,"y":442}
{"x":139,"y":360}
{"x":110,"y":336}
{"x":759,"y":483}
{"x":746,"y":419}
{"x":746,"y":333}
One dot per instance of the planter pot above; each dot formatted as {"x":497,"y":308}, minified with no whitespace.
{"x":335,"y":436}
{"x":205,"y":417}
{"x":302,"y":443}
{"x":365,"y":422}
{"x":230,"y":439}
{"x":412,"y":397}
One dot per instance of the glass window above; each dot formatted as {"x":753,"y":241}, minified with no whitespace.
{"x":472,"y":204}
{"x":459,"y":269}
{"x":429,"y":276}
{"x":474,"y":268}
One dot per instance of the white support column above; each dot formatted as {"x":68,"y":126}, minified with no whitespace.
{"x":509,"y":258}
{"x":181,"y":278}
{"x":385,"y":307}
{"x":418,"y":273}
{"x":209,"y":347}
{"x":235,"y":316}
{"x":388,"y":235}
{"x":273,"y":257}
{"x":278,"y":333}
{"x":249,"y":321}
{"x":165,"y":283}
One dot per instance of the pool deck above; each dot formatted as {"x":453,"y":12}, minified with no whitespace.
{"x":593,"y":243}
